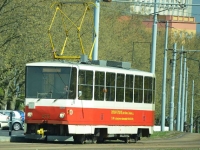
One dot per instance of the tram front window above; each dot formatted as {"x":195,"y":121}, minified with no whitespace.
{"x":51,"y":82}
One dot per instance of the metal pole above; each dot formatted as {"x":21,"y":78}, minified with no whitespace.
{"x":171,"y":115}
{"x":164,"y":79}
{"x":192,"y":106}
{"x":186,"y":95}
{"x":179,"y":92}
{"x":96,"y":30}
{"x":183,"y":93}
{"x":154,"y":37}
{"x":10,"y":124}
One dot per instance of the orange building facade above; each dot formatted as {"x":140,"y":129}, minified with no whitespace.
{"x":182,"y":26}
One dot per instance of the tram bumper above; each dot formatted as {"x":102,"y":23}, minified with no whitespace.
{"x":60,"y":138}
{"x":35,"y":137}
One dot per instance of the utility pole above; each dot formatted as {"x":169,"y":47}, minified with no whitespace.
{"x":183,"y":90}
{"x":96,"y":30}
{"x":154,"y":38}
{"x":179,"y":92}
{"x":154,"y":28}
{"x":171,"y":117}
{"x":186,"y":95}
{"x":183,"y":93}
{"x":153,"y":52}
{"x":192,"y":107}
{"x":164,"y":79}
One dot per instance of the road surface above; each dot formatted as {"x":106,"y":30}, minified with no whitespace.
{"x":186,"y":141}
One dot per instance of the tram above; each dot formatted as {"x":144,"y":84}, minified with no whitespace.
{"x":96,"y":100}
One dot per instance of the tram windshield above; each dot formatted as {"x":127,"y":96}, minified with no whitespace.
{"x":51,"y":82}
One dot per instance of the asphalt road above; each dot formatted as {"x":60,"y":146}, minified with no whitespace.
{"x":187,"y":141}
{"x":5,"y":132}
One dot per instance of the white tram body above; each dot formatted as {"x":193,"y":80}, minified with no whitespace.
{"x":88,"y":102}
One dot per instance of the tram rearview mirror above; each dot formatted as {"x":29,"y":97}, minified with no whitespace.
{"x":79,"y":93}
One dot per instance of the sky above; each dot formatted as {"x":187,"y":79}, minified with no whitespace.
{"x":196,"y":13}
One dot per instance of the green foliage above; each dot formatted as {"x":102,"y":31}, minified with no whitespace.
{"x":21,"y":41}
{"x":165,"y":134}
{"x":122,"y":36}
{"x":1,"y":92}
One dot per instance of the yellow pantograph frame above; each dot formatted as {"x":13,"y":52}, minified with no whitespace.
{"x":61,"y":56}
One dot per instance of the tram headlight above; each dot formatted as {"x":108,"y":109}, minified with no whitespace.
{"x":29,"y":114}
{"x":70,"y":112}
{"x":62,"y":115}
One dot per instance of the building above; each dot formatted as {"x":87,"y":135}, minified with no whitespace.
{"x":180,"y":26}
{"x":178,"y":15}
{"x":165,"y":7}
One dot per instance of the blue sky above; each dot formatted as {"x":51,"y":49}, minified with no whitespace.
{"x":196,"y":13}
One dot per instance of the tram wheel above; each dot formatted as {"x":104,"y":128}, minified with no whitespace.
{"x":135,"y":139}
{"x":94,"y":140}
{"x":75,"y":139}
{"x":100,"y":140}
{"x":82,"y":139}
{"x":127,"y":140}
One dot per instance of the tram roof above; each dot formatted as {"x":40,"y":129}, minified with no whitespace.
{"x":88,"y":66}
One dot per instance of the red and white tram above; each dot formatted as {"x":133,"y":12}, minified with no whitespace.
{"x":90,"y":101}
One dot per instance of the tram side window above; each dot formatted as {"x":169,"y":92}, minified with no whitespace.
{"x":99,"y":86}
{"x":138,"y":89}
{"x":129,"y":88}
{"x":85,"y":84}
{"x":110,"y":86}
{"x":120,"y":88}
{"x":148,"y":89}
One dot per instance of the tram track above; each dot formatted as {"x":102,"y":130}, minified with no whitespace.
{"x":183,"y":141}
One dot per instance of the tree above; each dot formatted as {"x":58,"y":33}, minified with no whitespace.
{"x":21,"y":41}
